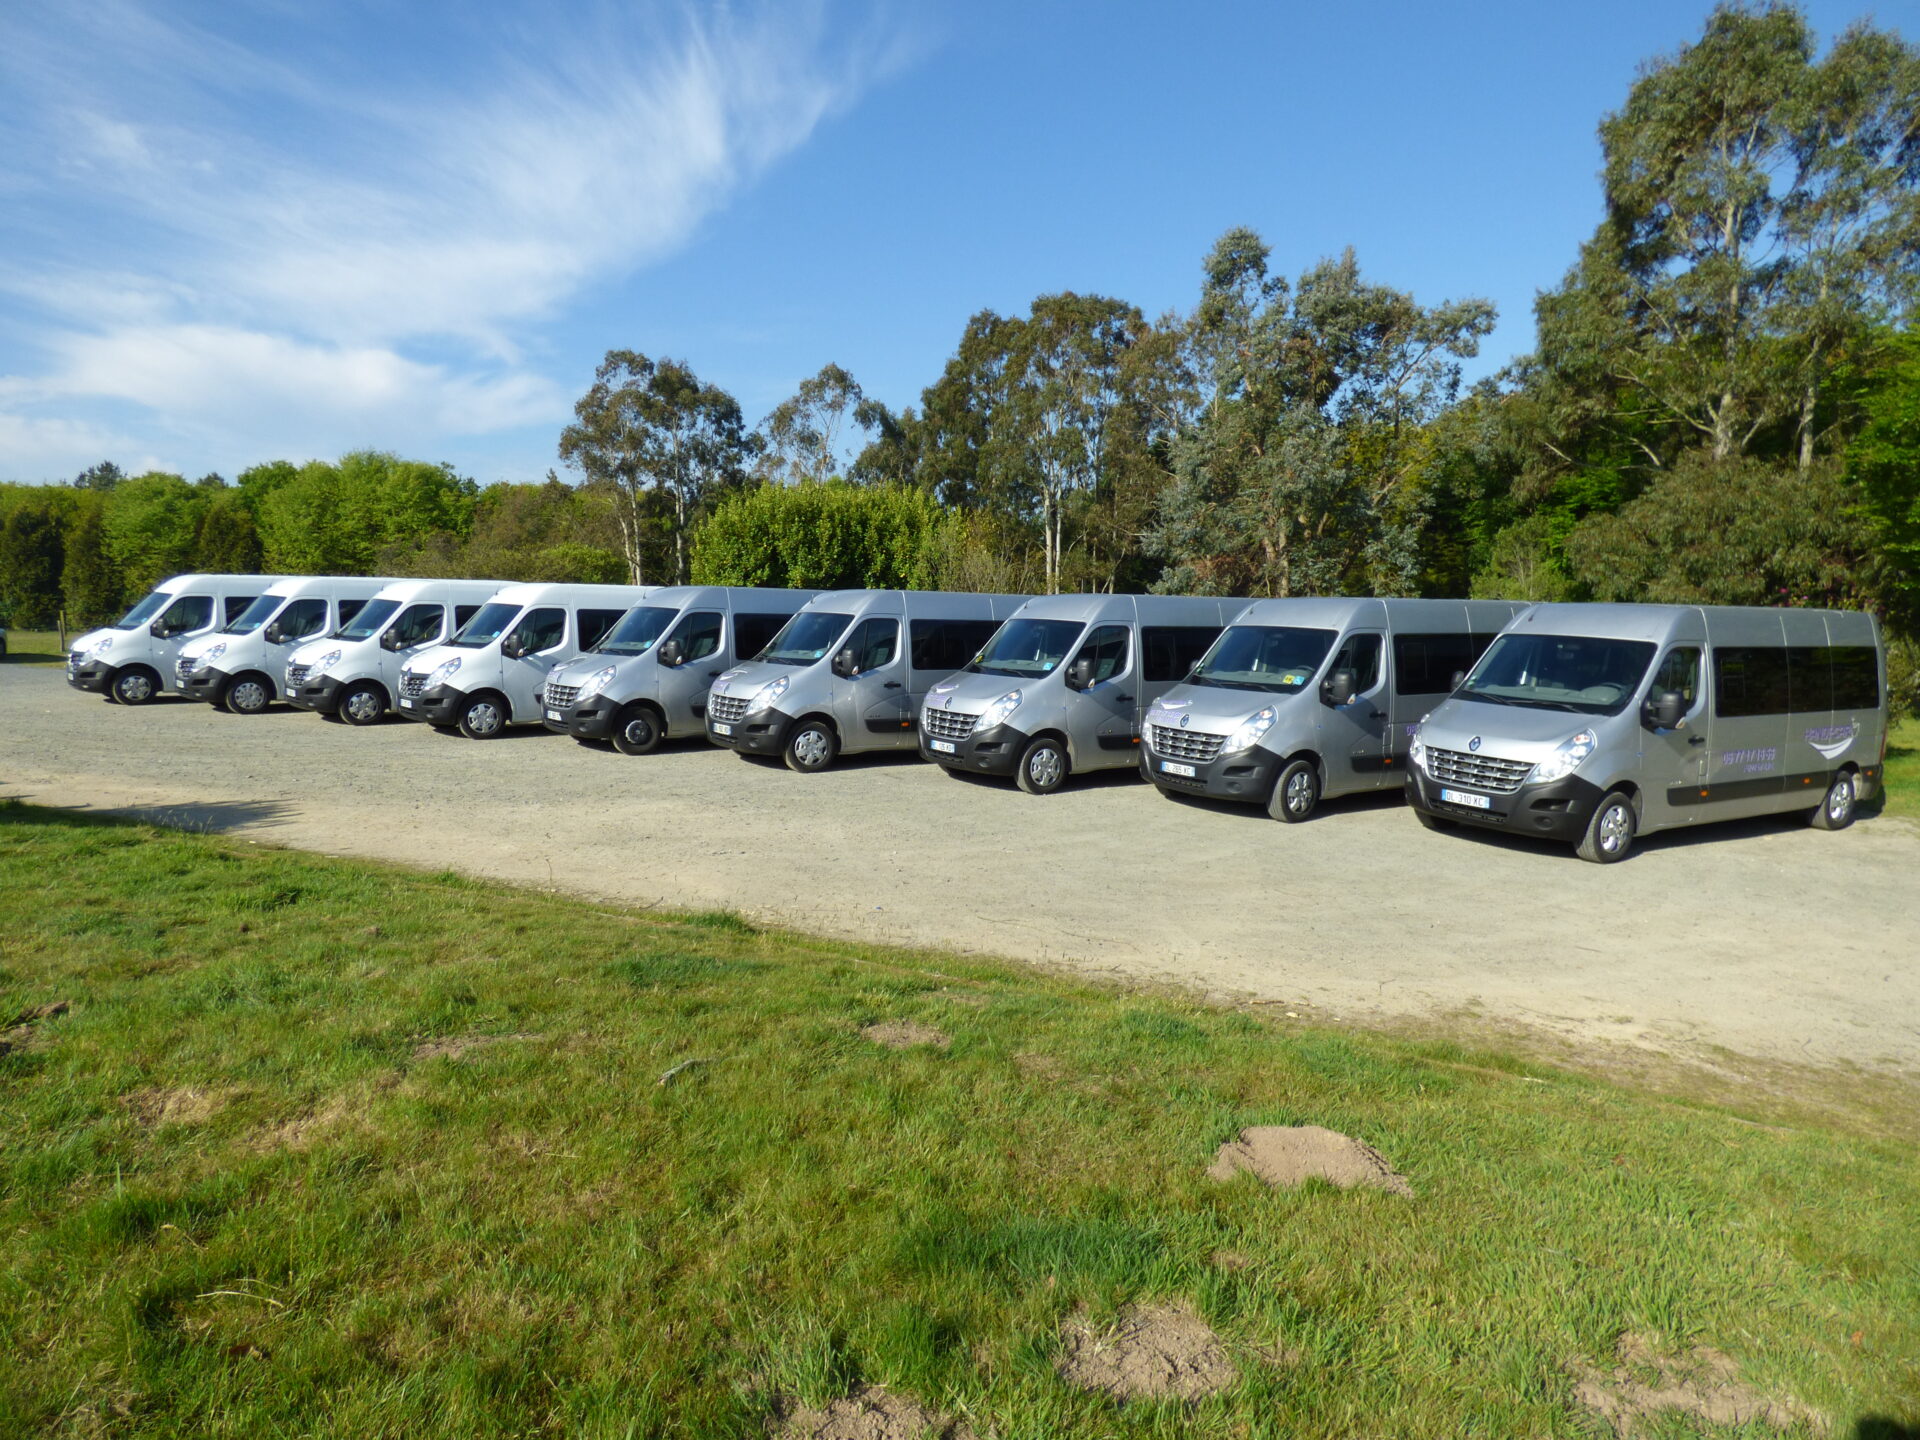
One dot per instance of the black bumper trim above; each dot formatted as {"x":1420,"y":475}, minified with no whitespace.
{"x":1246,"y":776}
{"x":95,"y":679}
{"x":589,"y":720}
{"x":993,"y":751}
{"x":204,"y":684}
{"x":321,"y":696}
{"x":441,"y":705}
{"x":764,"y":732}
{"x":1559,"y":811}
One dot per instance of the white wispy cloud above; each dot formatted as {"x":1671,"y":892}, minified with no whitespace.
{"x":232,"y":230}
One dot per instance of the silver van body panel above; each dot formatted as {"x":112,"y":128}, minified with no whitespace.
{"x":875,"y":710}
{"x":312,"y":685}
{"x":207,"y":666}
{"x":95,"y":658}
{"x":1100,"y":724}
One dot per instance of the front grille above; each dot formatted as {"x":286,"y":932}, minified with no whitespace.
{"x":1186,"y":744}
{"x":297,"y":675}
{"x":947,"y":724}
{"x":411,"y":685}
{"x":727,"y":709}
{"x":1482,"y":772}
{"x":561,"y":697}
{"x":185,"y":666}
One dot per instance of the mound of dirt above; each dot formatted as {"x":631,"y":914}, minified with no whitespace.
{"x":874,"y":1413}
{"x":452,"y":1047}
{"x":905,"y":1034}
{"x":189,"y":1105}
{"x":1152,"y":1351}
{"x":1703,"y":1383}
{"x":1289,"y":1154}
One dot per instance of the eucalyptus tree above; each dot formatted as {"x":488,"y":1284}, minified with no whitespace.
{"x":802,"y":435}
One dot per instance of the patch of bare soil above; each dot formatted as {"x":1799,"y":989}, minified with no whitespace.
{"x":303,"y":1130}
{"x":1703,"y":1383}
{"x":1282,"y":1155}
{"x":1038,"y":1065}
{"x":188,"y":1105}
{"x":1230,"y":1260}
{"x":1152,"y":1351}
{"x":452,"y":1047}
{"x":905,"y":1034}
{"x":19,"y":1032}
{"x":874,"y":1413}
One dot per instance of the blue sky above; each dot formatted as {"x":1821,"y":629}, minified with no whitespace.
{"x":259,"y":229}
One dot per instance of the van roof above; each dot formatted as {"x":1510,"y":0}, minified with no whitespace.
{"x":1335,"y":612}
{"x":1125,"y":609}
{"x":346,"y":585}
{"x":1722,"y":624}
{"x":532,"y":593}
{"x":925,"y":604}
{"x":460,"y":589}
{"x":729,"y":595}
{"x":173,"y":584}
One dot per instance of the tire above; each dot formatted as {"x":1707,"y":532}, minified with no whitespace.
{"x":1609,"y":834}
{"x":363,"y":703}
{"x":812,"y":747}
{"x":637,"y":731}
{"x":249,"y":694}
{"x":1837,"y":806}
{"x":485,"y":717}
{"x":1296,"y":794}
{"x":1043,"y":766}
{"x":135,"y":685}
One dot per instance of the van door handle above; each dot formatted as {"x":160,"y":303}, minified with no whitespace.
{"x":1126,"y":699}
{"x":892,"y":685}
{"x":1698,"y":740}
{"x":713,"y":674}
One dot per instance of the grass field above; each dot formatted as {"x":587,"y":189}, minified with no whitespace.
{"x":323,"y":1147}
{"x":34,"y":647}
{"x":1903,"y":770}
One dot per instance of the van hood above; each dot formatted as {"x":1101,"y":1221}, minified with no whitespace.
{"x":313,"y":650}
{"x":201,"y":644}
{"x":966,"y":694}
{"x":1504,"y":732}
{"x":1214,"y":709}
{"x":427,"y":661}
{"x":94,"y":637}
{"x":754,"y":676}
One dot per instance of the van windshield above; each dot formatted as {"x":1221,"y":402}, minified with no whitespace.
{"x":806,"y":638}
{"x":367,"y":623}
{"x":489,"y":623}
{"x":1560,"y":672}
{"x":143,"y":612}
{"x":1027,"y":647}
{"x":255,"y":615}
{"x":637,"y":631}
{"x":1280,"y":659}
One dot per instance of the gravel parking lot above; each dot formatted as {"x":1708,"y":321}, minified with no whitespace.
{"x":1765,"y":938}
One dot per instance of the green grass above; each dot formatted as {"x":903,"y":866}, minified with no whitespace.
{"x":233,"y":1202}
{"x":1903,"y":770}
{"x":33,"y":647}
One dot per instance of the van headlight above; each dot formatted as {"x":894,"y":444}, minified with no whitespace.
{"x":212,"y":653}
{"x":1565,"y":760}
{"x":999,"y":710}
{"x":1417,"y":751}
{"x":596,"y":682}
{"x":443,"y":672}
{"x":763,"y":699}
{"x":102,"y":645}
{"x":320,"y":666}
{"x":1250,"y":730}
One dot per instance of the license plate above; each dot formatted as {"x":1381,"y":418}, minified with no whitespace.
{"x":554,"y":715}
{"x":945,"y":747}
{"x":720,"y":729}
{"x":1466,"y":798}
{"x":1168,"y":767}
{"x":406,"y":704}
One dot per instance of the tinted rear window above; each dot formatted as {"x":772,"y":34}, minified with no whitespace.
{"x":1426,"y":664}
{"x":1170,"y":651}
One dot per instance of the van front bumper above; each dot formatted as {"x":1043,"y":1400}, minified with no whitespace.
{"x":759,"y":732}
{"x":995,"y":750}
{"x":322,"y":695}
{"x":1245,"y":775}
{"x":442,"y":705}
{"x":1559,"y":810}
{"x":205,"y":683}
{"x":93,"y":676}
{"x":588,"y":720}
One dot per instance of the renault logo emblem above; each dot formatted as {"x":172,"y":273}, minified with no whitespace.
{"x":1474,"y":743}
{"x":1183,"y":721}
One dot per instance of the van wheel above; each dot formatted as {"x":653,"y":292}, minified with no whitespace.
{"x":1043,"y":768}
{"x":1295,"y":793}
{"x":249,"y":695}
{"x":812,"y":747}
{"x":484,"y":718}
{"x":1610,"y":832}
{"x":135,"y":685}
{"x":1836,"y":810}
{"x":363,"y":704}
{"x":636,"y":731}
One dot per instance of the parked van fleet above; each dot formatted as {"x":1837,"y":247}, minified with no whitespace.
{"x":1300,"y":699}
{"x":353,"y":673}
{"x":647,"y":679}
{"x":1595,"y":723}
{"x":491,"y":673}
{"x":1061,"y":687}
{"x":242,"y":667}
{"x":132,"y":659}
{"x":842,"y":677}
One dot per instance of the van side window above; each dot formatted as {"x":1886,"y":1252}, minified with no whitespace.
{"x":698,"y":634}
{"x":1106,"y":647}
{"x":1360,"y":654}
{"x":462,"y":614}
{"x":234,"y":606}
{"x":1809,"y":678}
{"x":1680,"y":673}
{"x":1856,"y":677}
{"x":300,"y":619}
{"x":416,"y":625}
{"x":874,"y":644}
{"x":538,"y":630}
{"x":1426,"y":664}
{"x":349,"y":609}
{"x":1750,"y":680}
{"x":1170,"y":651}
{"x":752,"y":632}
{"x":594,"y":625}
{"x":947,"y":645}
{"x":189,"y":612}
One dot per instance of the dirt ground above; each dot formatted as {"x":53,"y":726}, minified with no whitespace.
{"x":1765,"y":938}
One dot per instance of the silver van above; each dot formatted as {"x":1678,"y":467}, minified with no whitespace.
{"x":243,"y":668}
{"x":490,"y":675}
{"x":132,"y":660}
{"x":647,"y":679}
{"x":353,"y":673}
{"x":1061,"y":687}
{"x":849,"y":672}
{"x":1302,"y":699}
{"x":1591,"y":724}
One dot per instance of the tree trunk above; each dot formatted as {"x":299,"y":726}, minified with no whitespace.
{"x":626,"y":510}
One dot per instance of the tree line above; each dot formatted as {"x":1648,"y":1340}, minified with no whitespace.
{"x":1723,"y":406}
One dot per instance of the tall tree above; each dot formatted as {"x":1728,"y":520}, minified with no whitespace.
{"x":802,"y":435}
{"x":89,"y":585}
{"x":228,"y":543}
{"x":103,"y":476}
{"x":650,"y":429}
{"x":30,"y":561}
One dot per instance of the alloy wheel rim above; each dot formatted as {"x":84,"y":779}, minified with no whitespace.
{"x":247,"y":695}
{"x":810,"y":748}
{"x":1044,"y":768}
{"x":1613,"y":828}
{"x":135,"y":687}
{"x":1840,"y":799}
{"x":484,"y":718}
{"x":361,"y":705}
{"x":1299,"y":793}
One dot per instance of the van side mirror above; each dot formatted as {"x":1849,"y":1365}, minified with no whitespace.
{"x":1665,"y":710}
{"x":274,"y":635}
{"x":390,"y":641}
{"x":1338,"y":688}
{"x":843,"y":664}
{"x":670,"y":653}
{"x":160,"y":630}
{"x":513,"y":649}
{"x":1459,"y":679}
{"x":1080,"y":674}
